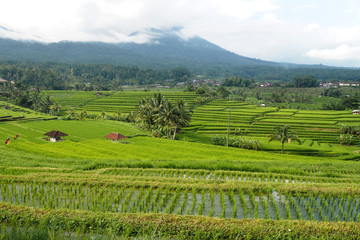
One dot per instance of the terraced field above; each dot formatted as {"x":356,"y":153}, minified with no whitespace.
{"x":74,"y":99}
{"x":132,"y":195}
{"x":259,"y":122}
{"x":87,"y":187}
{"x":190,"y":192}
{"x":212,"y":118}
{"x":10,"y":112}
{"x":112,"y":101}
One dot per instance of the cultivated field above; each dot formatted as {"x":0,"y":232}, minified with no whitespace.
{"x":110,"y":102}
{"x":90,"y":187}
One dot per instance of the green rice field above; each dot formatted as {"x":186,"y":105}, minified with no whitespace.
{"x":87,"y":187}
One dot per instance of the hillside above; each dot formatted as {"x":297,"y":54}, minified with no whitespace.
{"x":164,"y":50}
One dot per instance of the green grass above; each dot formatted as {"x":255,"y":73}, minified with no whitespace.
{"x":86,"y":147}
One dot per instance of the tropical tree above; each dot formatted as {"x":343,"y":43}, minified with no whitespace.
{"x":71,"y":113}
{"x":102,"y":115}
{"x":55,"y":109}
{"x":345,"y":139}
{"x":284,"y":135}
{"x":29,"y":98}
{"x":117,"y":115}
{"x":81,"y":116}
{"x":166,"y":117}
{"x":162,"y":117}
{"x":183,"y":115}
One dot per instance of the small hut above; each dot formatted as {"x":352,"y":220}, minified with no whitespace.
{"x":115,"y":136}
{"x":55,"y":136}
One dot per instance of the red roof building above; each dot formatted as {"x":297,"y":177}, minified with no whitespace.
{"x":115,"y":136}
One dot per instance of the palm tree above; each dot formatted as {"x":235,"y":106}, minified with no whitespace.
{"x":82,"y":115}
{"x":71,"y":113}
{"x":183,"y":115}
{"x":166,"y":116}
{"x":117,"y":115}
{"x":283,"y":134}
{"x":159,"y":115}
{"x":144,"y":115}
{"x":45,"y":103}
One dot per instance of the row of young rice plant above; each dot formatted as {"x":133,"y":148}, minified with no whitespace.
{"x":91,"y":225}
{"x":332,"y":176}
{"x":190,"y":201}
{"x":92,"y":179}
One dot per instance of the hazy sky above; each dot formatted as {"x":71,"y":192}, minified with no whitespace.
{"x":299,"y":31}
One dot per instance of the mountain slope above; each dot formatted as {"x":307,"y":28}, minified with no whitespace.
{"x":164,"y":51}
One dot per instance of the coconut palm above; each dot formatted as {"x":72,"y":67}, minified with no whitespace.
{"x":71,"y":113}
{"x":117,"y":115}
{"x":166,"y":116}
{"x":82,"y":115}
{"x":159,"y":114}
{"x":284,"y":135}
{"x":183,"y":115}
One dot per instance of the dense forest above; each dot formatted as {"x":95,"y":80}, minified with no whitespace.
{"x":60,"y":76}
{"x":87,"y":76}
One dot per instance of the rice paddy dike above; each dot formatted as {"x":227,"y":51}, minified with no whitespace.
{"x":87,"y":186}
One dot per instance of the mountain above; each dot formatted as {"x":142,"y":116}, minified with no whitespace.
{"x":165,"y":49}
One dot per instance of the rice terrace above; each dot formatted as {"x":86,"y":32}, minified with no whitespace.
{"x":106,"y":174}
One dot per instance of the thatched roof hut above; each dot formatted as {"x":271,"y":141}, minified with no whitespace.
{"x":115,"y":136}
{"x":55,"y":136}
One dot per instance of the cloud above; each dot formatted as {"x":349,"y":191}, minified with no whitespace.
{"x":312,"y":26}
{"x":114,"y":20}
{"x":342,"y":52}
{"x":304,"y":6}
{"x":276,"y":30}
{"x":244,"y":9}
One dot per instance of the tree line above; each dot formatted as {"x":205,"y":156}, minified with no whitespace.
{"x":27,"y":97}
{"x":98,"y":77}
{"x":77,"y":76}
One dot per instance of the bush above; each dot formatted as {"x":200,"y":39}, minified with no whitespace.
{"x":218,"y":140}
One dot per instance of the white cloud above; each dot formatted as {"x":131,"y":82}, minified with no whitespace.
{"x":341,"y":52}
{"x":113,"y":20}
{"x":244,"y":9}
{"x":276,"y":30}
{"x":312,"y":26}
{"x":304,"y":6}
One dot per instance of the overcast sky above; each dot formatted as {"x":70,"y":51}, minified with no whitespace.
{"x":298,"y":31}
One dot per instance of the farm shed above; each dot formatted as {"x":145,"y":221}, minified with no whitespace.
{"x":55,"y":136}
{"x":115,"y":136}
{"x":356,"y":111}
